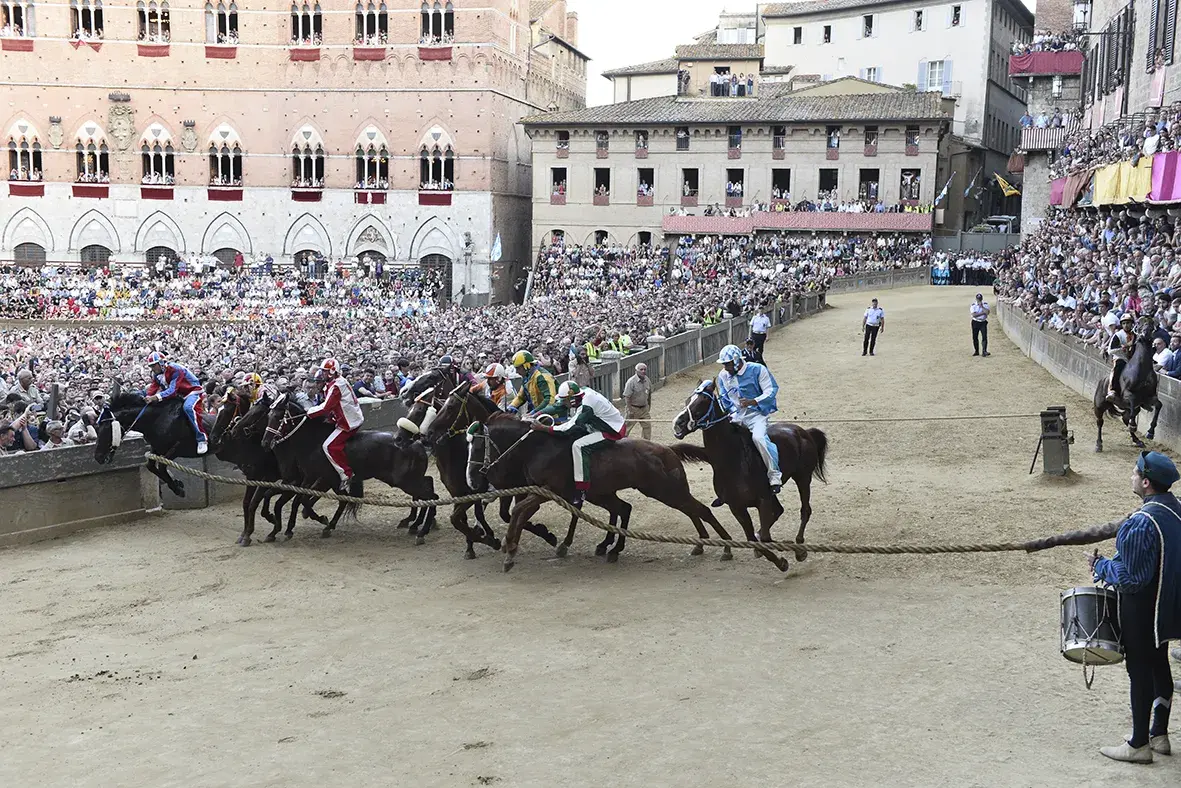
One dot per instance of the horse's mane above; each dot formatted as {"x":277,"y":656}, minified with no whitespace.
{"x":127,"y":399}
{"x":484,"y":399}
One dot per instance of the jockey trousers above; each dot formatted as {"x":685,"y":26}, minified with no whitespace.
{"x":334,"y":451}
{"x":582,"y":449}
{"x":193,"y":409}
{"x":757,"y":422}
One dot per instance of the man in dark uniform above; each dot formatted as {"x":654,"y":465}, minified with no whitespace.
{"x":1147,"y":573}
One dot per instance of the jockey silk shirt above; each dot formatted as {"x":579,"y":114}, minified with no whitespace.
{"x":755,"y":382}
{"x":596,"y":413}
{"x":341,"y":403}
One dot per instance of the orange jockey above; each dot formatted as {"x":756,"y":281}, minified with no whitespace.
{"x":341,"y":407}
{"x":493,"y":385}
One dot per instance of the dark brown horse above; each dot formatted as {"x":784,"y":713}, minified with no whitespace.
{"x":546,"y":461}
{"x":1137,"y":390}
{"x":256,"y":463}
{"x":740,"y":478}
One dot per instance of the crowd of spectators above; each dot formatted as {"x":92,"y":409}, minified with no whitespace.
{"x":1048,"y":41}
{"x":1127,"y":139}
{"x":1079,"y":274}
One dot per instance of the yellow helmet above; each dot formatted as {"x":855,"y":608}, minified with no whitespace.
{"x":523,"y":358}
{"x":254,"y":379}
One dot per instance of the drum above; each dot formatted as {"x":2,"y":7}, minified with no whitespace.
{"x":1090,"y":626}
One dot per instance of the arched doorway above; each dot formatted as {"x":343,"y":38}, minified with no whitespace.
{"x":368,"y":261}
{"x":601,"y":237}
{"x":96,"y":253}
{"x":644,"y":238}
{"x":28,"y":253}
{"x":226,"y":256}
{"x":439,"y":266}
{"x":557,"y":237}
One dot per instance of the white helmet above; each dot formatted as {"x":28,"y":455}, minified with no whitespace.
{"x":495,"y":371}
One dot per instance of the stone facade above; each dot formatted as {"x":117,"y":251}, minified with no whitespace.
{"x":261,"y":97}
{"x":1153,"y":79}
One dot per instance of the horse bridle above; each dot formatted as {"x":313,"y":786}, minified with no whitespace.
{"x":283,"y":422}
{"x":715,"y":415}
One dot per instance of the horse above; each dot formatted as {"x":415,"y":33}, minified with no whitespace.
{"x":371,"y":454}
{"x":1137,"y":391}
{"x":651,"y":468}
{"x":740,"y":478}
{"x":164,"y":426}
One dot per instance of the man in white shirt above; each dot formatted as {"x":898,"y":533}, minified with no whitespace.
{"x":980,"y":313}
{"x":760,"y":324}
{"x":873,"y":322}
{"x":1160,"y":353}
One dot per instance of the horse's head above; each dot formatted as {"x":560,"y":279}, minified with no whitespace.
{"x":419,"y":385}
{"x":109,"y":436}
{"x":461,"y":408}
{"x":284,"y":418}
{"x":702,"y":411}
{"x":250,"y":425}
{"x":420,"y":415}
{"x":226,"y":418}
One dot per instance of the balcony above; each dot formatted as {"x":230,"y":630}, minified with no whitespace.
{"x":602,"y":199}
{"x":155,"y":192}
{"x":734,"y":153}
{"x":832,"y":154}
{"x":641,"y":153}
{"x":16,"y":44}
{"x":434,"y":53}
{"x":871,"y":150}
{"x":912,"y":150}
{"x":645,"y":200}
{"x":778,"y":153}
{"x":1042,"y":139}
{"x":152,"y":50}
{"x":435,"y":198}
{"x":689,"y":201}
{"x":734,"y":202}
{"x":93,"y":191}
{"x":26,"y":189}
{"x":557,"y":199}
{"x":798,"y":220}
{"x":368,"y":197}
{"x":1044,"y":64}
{"x":224,"y":194}
{"x":303,"y":54}
{"x":221,"y":52}
{"x":369,"y":53}
{"x":563,"y":152}
{"x":602,"y":152}
{"x":301,"y":194}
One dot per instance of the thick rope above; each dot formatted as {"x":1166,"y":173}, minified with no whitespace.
{"x":1096,"y":534}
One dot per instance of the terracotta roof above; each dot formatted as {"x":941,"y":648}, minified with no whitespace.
{"x":776,"y":69}
{"x":773,"y":108}
{"x":720,"y":52}
{"x":666,"y":66}
{"x":539,"y":7}
{"x":775,"y":10}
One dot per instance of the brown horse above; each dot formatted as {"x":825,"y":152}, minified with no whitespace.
{"x":740,"y":478}
{"x":546,"y":461}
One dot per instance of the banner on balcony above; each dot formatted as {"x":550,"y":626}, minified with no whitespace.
{"x":1065,"y":62}
{"x":1057,"y":187}
{"x":1121,"y":183}
{"x":1166,"y":177}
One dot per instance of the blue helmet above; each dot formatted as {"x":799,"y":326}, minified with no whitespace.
{"x":446,"y":361}
{"x":730,"y":353}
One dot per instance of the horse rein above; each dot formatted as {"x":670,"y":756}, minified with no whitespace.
{"x":706,"y":422}
{"x":287,"y":418}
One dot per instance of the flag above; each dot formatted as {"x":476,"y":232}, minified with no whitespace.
{"x":973,"y":182}
{"x":1006,"y":187}
{"x":496,"y":250}
{"x":943,"y":193}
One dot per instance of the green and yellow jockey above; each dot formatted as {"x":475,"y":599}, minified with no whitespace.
{"x":537,"y":387}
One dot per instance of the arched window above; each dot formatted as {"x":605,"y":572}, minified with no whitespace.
{"x":373,"y":167}
{"x":226,"y":256}
{"x":372,"y":25}
{"x":28,"y":253}
{"x":448,"y":22}
{"x":225,"y":165}
{"x":93,"y":156}
{"x":221,"y":23}
{"x":16,"y":19}
{"x":306,"y":25}
{"x":158,"y":163}
{"x":87,"y":19}
{"x":307,"y":166}
{"x":154,"y":21}
{"x":437,"y":169}
{"x":95,"y":253}
{"x":438,"y":22}
{"x":24,"y":153}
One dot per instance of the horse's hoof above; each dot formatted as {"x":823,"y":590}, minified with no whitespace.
{"x":562,"y":550}
{"x":1151,"y":434}
{"x":270,"y":538}
{"x":508,"y":564}
{"x":403,"y":523}
{"x":601,"y":550}
{"x":327,"y":532}
{"x":697,"y":550}
{"x":288,"y":535}
{"x":727,"y":557}
{"x":469,"y":555}
{"x":419,"y":540}
{"x":612,"y":558}
{"x":495,"y":544}
{"x":783,"y":566}
{"x":244,"y":541}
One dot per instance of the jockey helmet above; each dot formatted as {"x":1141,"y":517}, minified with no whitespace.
{"x":1127,"y":318}
{"x":154,"y":358}
{"x":328,"y":370}
{"x":523,"y":359}
{"x":730,"y":354}
{"x":254,"y":379}
{"x":494,"y":371}
{"x":446,"y":362}
{"x":570,"y":393}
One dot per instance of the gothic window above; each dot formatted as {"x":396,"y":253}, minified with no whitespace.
{"x":159,"y":159}
{"x":154,"y":21}
{"x":24,"y":153}
{"x":16,"y":19}
{"x":86,"y":17}
{"x":221,"y":23}
{"x":438,"y":22}
{"x":306,"y":25}
{"x":372,"y":25}
{"x":93,"y":156}
{"x":373,"y":165}
{"x":437,"y":169}
{"x":225,"y":157}
{"x":307,"y":160}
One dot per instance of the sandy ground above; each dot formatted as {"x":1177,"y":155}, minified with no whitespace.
{"x":160,"y":654}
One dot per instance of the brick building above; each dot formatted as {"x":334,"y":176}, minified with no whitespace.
{"x":157,"y":129}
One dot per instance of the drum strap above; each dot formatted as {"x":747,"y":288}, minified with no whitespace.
{"x":1159,"y":570}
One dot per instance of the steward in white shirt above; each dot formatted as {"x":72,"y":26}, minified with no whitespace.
{"x":873,"y":322}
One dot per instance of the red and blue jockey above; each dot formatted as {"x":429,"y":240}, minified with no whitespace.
{"x":172,"y":381}
{"x":341,"y":407}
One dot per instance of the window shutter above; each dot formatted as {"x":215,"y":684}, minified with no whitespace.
{"x":912,"y":21}
{"x":921,"y":82}
{"x":1152,"y":17}
{"x":1170,"y":30}
{"x":862,"y":73}
{"x":947,"y":77}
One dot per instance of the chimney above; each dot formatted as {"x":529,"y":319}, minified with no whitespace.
{"x":572,"y":28}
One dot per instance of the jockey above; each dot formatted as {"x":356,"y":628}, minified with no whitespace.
{"x":252,"y":388}
{"x":494,"y":385}
{"x":748,"y":390}
{"x":1120,"y":346}
{"x":537,"y":386}
{"x":593,"y":418}
{"x":453,"y":374}
{"x":341,"y":407}
{"x":172,"y":381}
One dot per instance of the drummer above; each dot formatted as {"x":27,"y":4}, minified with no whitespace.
{"x":1147,"y":573}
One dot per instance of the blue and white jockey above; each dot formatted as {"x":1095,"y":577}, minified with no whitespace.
{"x":747,"y":390}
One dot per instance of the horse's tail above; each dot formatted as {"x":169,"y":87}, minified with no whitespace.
{"x":821,"y":441}
{"x":357,"y":490}
{"x":688,"y":452}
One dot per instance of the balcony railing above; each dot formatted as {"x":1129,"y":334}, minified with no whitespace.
{"x":602,"y":199}
{"x":557,"y":199}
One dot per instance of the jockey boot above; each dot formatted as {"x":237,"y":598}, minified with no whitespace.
{"x":578,"y":499}
{"x":345,"y":486}
{"x":776,"y":489}
{"x":202,"y":448}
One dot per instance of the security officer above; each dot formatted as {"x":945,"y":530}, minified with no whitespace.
{"x":873,"y":322}
{"x":1147,"y":573}
{"x":980,"y":312}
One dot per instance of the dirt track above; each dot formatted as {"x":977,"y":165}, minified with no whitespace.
{"x":159,"y":654}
